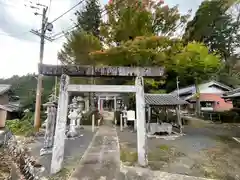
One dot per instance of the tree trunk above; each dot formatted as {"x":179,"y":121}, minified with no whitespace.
{"x":198,"y":108}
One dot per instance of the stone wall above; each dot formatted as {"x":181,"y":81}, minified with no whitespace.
{"x":27,"y":166}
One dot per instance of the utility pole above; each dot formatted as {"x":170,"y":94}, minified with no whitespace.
{"x":44,"y":27}
{"x":179,"y":107}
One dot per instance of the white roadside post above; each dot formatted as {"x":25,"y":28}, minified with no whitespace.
{"x":93,"y":123}
{"x":121,"y":123}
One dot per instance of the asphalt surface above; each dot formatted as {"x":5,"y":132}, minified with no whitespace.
{"x":74,"y":149}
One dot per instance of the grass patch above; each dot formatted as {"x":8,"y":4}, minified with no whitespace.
{"x":164,"y":147}
{"x":162,"y":155}
{"x":128,"y":155}
{"x":61,"y":175}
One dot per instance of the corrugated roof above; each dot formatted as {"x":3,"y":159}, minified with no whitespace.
{"x":4,"y":88}
{"x":10,"y":107}
{"x":163,"y":100}
{"x":192,"y":89}
{"x":189,"y":89}
{"x":232,"y":94}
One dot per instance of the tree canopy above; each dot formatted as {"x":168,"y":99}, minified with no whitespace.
{"x":144,"y":33}
{"x":217,"y":25}
{"x":85,"y":38}
{"x":129,"y":19}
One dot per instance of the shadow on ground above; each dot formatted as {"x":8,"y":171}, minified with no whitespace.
{"x":74,"y":149}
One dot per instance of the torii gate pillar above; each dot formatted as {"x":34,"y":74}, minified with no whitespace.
{"x":141,"y":122}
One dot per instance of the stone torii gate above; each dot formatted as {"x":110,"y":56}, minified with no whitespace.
{"x":89,"y":71}
{"x":66,"y":88}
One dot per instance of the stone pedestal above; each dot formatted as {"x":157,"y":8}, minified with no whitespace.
{"x":50,"y":128}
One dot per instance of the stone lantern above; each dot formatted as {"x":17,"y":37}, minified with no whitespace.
{"x":50,"y":127}
{"x":73,"y":115}
{"x":81,"y":107}
{"x":125,"y":116}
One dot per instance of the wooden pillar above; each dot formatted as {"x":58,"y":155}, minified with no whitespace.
{"x":59,"y":140}
{"x":141,"y":122}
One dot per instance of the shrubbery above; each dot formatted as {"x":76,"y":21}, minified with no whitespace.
{"x":22,"y":127}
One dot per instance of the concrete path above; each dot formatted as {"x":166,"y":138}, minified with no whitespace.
{"x":102,"y":160}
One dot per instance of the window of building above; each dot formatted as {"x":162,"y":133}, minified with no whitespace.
{"x":206,"y":104}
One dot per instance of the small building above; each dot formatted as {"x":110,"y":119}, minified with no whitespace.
{"x":210,"y":96}
{"x":8,"y":110}
{"x":233,"y":96}
{"x":108,"y":101}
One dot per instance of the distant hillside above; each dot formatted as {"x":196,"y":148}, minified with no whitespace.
{"x":25,"y":88}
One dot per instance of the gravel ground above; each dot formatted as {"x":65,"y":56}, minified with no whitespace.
{"x":74,"y":149}
{"x":206,"y":151}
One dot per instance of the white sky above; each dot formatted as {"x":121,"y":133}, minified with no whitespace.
{"x":19,"y":49}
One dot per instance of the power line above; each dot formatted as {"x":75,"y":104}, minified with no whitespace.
{"x":67,"y":11}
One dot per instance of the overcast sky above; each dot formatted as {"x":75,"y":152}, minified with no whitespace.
{"x":19,"y":49}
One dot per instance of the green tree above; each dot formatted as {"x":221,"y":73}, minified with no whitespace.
{"x":196,"y":63}
{"x":132,"y":18}
{"x":85,"y":38}
{"x":210,"y":25}
{"x":77,"y":48}
{"x":188,"y":62}
{"x":217,"y":24}
{"x":89,"y":18}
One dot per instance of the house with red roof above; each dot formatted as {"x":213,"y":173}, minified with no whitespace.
{"x":210,"y":96}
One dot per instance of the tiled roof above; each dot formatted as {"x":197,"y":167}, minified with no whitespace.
{"x":163,"y":100}
{"x":4,"y":88}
